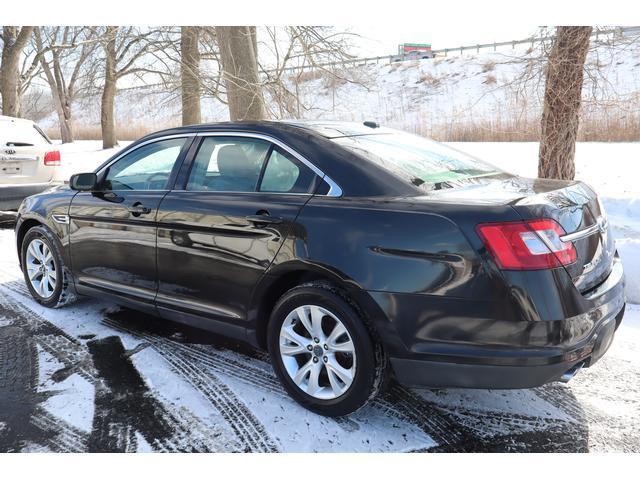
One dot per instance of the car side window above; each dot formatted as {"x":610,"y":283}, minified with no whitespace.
{"x":286,"y":174}
{"x":145,"y":168}
{"x":228,"y":164}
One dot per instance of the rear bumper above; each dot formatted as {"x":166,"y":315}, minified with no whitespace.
{"x":574,"y":342}
{"x":528,"y":373}
{"x":11,"y":196}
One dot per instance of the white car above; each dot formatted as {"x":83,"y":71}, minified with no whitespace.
{"x":28,"y":161}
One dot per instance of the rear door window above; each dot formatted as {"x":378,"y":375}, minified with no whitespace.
{"x":228,"y":164}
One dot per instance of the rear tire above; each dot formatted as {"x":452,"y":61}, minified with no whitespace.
{"x":41,"y":257}
{"x":334,"y":372}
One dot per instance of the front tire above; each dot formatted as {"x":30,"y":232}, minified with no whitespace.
{"x":322,"y":351}
{"x":45,"y":273}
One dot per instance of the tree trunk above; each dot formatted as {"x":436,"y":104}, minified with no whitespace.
{"x":562,"y":97}
{"x":190,"y":72}
{"x":240,"y":65}
{"x":14,"y":41}
{"x":107,"y":119}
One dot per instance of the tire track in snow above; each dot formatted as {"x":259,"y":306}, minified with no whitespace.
{"x":242,"y":421}
{"x":28,"y":422}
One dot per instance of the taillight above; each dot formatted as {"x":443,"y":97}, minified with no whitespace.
{"x":52,"y":158}
{"x":528,"y":245}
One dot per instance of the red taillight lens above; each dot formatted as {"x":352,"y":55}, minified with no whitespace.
{"x":530,"y":245}
{"x":52,"y":158}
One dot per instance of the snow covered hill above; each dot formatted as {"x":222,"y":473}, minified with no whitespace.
{"x":493,"y":91}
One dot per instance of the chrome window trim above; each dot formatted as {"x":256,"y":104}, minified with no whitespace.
{"x":334,"y":188}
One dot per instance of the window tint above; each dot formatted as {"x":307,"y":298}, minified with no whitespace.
{"x":145,"y":168}
{"x":228,"y":164}
{"x":286,"y":174}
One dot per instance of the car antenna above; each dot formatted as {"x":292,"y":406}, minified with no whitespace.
{"x":371,"y":124}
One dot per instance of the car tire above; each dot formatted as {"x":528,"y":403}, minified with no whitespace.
{"x":44,"y":242}
{"x":345,"y":381}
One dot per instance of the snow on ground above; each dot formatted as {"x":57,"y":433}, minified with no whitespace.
{"x":611,"y":168}
{"x":110,"y":379}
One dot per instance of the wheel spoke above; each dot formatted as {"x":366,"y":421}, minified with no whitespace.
{"x":32,"y":271}
{"x":292,"y":350}
{"x":303,"y":316}
{"x":314,"y":379}
{"x":41,"y":288}
{"x":346,"y":347}
{"x":316,"y":321}
{"x":52,"y":277}
{"x":293,"y":337}
{"x":343,"y":374}
{"x":337,"y":332}
{"x":33,"y":250}
{"x":302,"y":373}
{"x":336,"y":386}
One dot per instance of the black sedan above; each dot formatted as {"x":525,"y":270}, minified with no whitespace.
{"x":351,"y":252}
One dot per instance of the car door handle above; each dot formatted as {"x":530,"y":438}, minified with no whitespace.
{"x":263,"y":219}
{"x":138,"y":209}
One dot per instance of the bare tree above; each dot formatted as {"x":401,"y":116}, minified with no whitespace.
{"x":239,"y":60}
{"x":562,"y":98}
{"x":127,"y":51}
{"x":14,"y":41}
{"x":190,"y":75}
{"x":63,"y":52}
{"x":314,"y":52}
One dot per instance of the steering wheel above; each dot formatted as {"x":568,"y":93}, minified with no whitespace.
{"x":152,"y":178}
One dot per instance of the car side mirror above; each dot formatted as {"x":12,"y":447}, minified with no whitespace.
{"x":84,"y":182}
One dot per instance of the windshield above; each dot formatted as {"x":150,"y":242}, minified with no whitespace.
{"x":418,"y":160}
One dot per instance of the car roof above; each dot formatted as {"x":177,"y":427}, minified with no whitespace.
{"x":324,"y":128}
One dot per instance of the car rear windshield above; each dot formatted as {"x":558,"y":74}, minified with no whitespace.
{"x":21,"y":134}
{"x":418,"y":160}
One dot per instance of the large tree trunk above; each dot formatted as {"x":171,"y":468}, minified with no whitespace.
{"x":14,"y":41}
{"x":190,"y":72}
{"x":562,"y":97}
{"x":240,"y":65}
{"x":107,"y":119}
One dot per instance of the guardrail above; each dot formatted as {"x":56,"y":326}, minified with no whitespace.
{"x":446,"y":51}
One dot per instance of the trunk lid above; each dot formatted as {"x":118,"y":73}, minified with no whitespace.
{"x":574,"y":205}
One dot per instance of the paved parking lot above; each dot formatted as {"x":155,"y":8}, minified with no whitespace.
{"x":94,"y":377}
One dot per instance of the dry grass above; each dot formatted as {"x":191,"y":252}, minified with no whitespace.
{"x":430,"y":80}
{"x":490,"y":79}
{"x":591,"y":130}
{"x":123,"y":132}
{"x":594,"y":128}
{"x":488,"y":67}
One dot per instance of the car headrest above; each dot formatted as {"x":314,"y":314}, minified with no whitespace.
{"x":233,"y":162}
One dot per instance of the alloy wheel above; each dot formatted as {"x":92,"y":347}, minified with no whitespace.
{"x":41,"y":268}
{"x":317,"y":352}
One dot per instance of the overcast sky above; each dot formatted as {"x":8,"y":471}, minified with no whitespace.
{"x":380,"y":40}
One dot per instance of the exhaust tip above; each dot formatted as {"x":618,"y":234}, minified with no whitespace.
{"x":569,"y":374}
